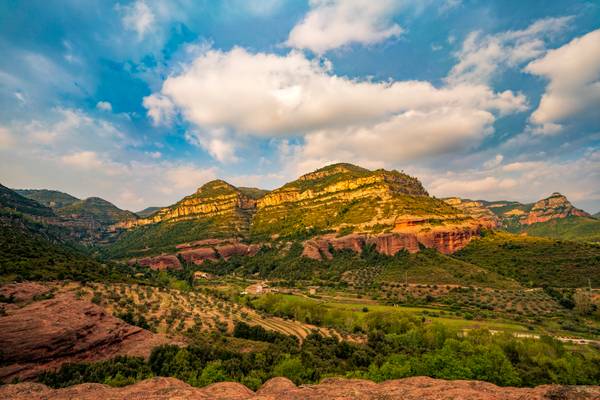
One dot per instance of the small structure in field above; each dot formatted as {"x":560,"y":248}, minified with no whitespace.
{"x":257,"y":288}
{"x":203,"y":275}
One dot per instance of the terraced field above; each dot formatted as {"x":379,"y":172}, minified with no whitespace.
{"x":174,"y":312}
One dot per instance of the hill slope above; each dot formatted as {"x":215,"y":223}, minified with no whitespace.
{"x":11,"y":200}
{"x":97,"y":211}
{"x":216,"y":210}
{"x":49,"y":198}
{"x":344,"y":196}
{"x":569,"y":228}
{"x":535,"y":261}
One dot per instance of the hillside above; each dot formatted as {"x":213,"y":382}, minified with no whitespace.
{"x":49,"y":198}
{"x":344,"y":196}
{"x":216,"y":210}
{"x":535,"y":261}
{"x":569,"y":228}
{"x":97,"y":211}
{"x":12,"y":201}
{"x":341,"y":198}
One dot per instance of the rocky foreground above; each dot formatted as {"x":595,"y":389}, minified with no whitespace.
{"x":46,"y":334}
{"x":283,"y":389}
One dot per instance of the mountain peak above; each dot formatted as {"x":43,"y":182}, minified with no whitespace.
{"x":216,"y":187}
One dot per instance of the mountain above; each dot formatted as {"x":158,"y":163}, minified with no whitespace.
{"x":338,"y":200}
{"x":49,"y":198}
{"x":96,"y":211}
{"x":568,"y":228}
{"x":553,"y":217}
{"x":597,"y":215}
{"x":216,"y":210}
{"x":12,"y":201}
{"x":146,"y":212}
{"x":553,"y":207}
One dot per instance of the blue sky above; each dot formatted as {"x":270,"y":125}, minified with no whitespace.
{"x":141,"y":102}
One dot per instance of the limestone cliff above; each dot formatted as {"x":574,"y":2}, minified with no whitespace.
{"x":476,"y":209}
{"x":214,"y":198}
{"x":341,"y":198}
{"x":347,"y":197}
{"x":553,"y":207}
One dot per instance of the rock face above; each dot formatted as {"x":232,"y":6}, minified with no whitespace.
{"x":417,"y":388}
{"x":446,"y":241}
{"x":198,"y":252}
{"x":46,"y":334}
{"x":159,"y":263}
{"x":476,"y":209}
{"x":555,"y":206}
{"x":215,"y":198}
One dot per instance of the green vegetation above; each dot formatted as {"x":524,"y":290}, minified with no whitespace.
{"x":397,"y":347}
{"x":49,"y":198}
{"x":535,"y":261}
{"x":359,"y":270}
{"x":11,"y":201}
{"x":570,"y":228}
{"x":26,"y":253}
{"x":98,"y":210}
{"x":164,"y":236}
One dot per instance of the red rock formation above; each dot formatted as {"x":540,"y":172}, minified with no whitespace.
{"x":416,"y":388}
{"x":162,"y":262}
{"x":46,"y":334}
{"x":199,"y":255}
{"x":448,"y":241}
{"x":391,"y":243}
{"x":229,"y":250}
{"x":553,"y":207}
{"x":445,"y":240}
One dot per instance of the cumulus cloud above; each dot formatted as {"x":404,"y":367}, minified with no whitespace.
{"x":104,"y":106}
{"x":88,"y":156}
{"x":573,"y":73}
{"x":269,"y":95}
{"x":335,"y":23}
{"x":138,"y":17}
{"x":407,"y":136}
{"x":481,"y":56}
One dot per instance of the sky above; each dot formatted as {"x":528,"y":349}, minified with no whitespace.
{"x":141,"y":102}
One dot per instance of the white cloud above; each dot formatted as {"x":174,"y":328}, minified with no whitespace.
{"x":160,"y":109}
{"x":525,"y":181}
{"x":104,"y":106}
{"x":291,"y":95}
{"x":482,"y":56}
{"x":83,"y":159}
{"x":494,"y":162}
{"x":215,"y":142}
{"x":573,"y":71}
{"x":407,"y":136}
{"x":335,"y":23}
{"x":138,"y":17}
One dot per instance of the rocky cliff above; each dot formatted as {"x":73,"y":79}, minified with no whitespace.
{"x":344,"y":197}
{"x":475,"y":209}
{"x":215,"y":198}
{"x":46,"y":334}
{"x":340,"y":198}
{"x":553,"y":207}
{"x":417,"y":388}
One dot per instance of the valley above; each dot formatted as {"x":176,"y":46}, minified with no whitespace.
{"x":344,"y":272}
